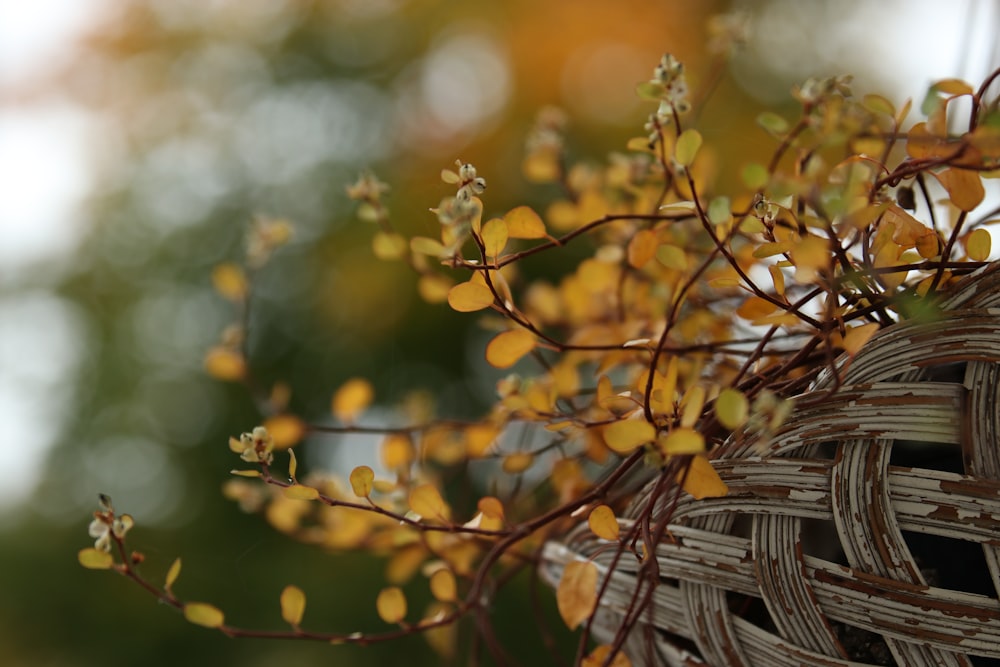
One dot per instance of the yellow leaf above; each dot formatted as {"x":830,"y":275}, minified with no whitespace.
{"x":479,"y":438}
{"x":773,"y":248}
{"x":731,"y":408}
{"x":642,"y":248}
{"x":755,"y":307}
{"x":599,"y":658}
{"x":229,"y":280}
{"x":422,"y":245}
{"x":391,"y":604}
{"x":285,"y":430}
{"x":203,"y":614}
{"x":691,"y":404}
{"x":778,"y":278}
{"x":856,"y":338}
{"x":426,"y":501}
{"x":682,"y":441}
{"x":626,"y":435}
{"x":397,"y":451}
{"x":225,"y":364}
{"x":470,"y":297}
{"x":701,"y":480}
{"x":352,"y":398}
{"x":687,"y":147}
{"x":172,"y":574}
{"x":389,"y":245}
{"x":978,"y":245}
{"x":541,"y":166}
{"x":508,"y":347}
{"x":517,"y":462}
{"x":293,"y":464}
{"x":245,"y":473}
{"x":433,"y":287}
{"x":672,"y":257}
{"x":443,"y":585}
{"x":603,"y":523}
{"x":293,"y":605}
{"x":494,"y":236}
{"x":524,"y":223}
{"x":442,"y":638}
{"x":362,"y":479}
{"x":301,"y":492}
{"x":576,"y":595}
{"x":95,"y":559}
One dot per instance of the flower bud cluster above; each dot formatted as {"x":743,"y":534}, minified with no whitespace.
{"x":106,"y":525}
{"x":254,"y":447}
{"x":671,"y":85}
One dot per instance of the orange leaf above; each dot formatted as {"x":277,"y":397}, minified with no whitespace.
{"x":517,"y":462}
{"x":470,"y":297}
{"x":599,"y":658}
{"x":285,"y":430}
{"x":755,"y":307}
{"x":508,"y":347}
{"x":524,"y":223}
{"x":352,"y":398}
{"x":225,"y":364}
{"x":856,"y":338}
{"x":642,"y":248}
{"x":293,"y":605}
{"x":576,"y":595}
{"x":964,"y":187}
{"x":701,"y":480}
{"x":603,"y":523}
{"x":397,"y":451}
{"x":230,"y":281}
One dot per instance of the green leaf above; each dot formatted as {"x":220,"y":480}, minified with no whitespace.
{"x":755,"y":176}
{"x":719,"y":211}
{"x":651,"y":91}
{"x":772,"y":122}
{"x":731,"y":408}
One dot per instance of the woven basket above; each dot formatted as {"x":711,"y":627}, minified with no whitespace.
{"x":865,"y":532}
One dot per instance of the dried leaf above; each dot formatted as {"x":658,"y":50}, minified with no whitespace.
{"x":362,"y":478}
{"x":95,"y":559}
{"x":351,"y":399}
{"x":293,"y":605}
{"x":628,"y":434}
{"x":203,"y":614}
{"x":469,"y":297}
{"x":508,"y":347}
{"x":576,"y":595}
{"x":964,"y":187}
{"x":701,"y":480}
{"x":524,"y":223}
{"x":391,"y":604}
{"x":603,"y":523}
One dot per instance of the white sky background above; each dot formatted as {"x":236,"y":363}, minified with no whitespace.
{"x":43,"y":173}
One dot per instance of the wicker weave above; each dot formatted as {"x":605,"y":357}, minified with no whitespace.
{"x":865,"y":532}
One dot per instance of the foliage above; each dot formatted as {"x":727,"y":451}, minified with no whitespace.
{"x":692,"y":314}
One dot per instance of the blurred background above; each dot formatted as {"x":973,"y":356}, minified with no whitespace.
{"x":140,"y":138}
